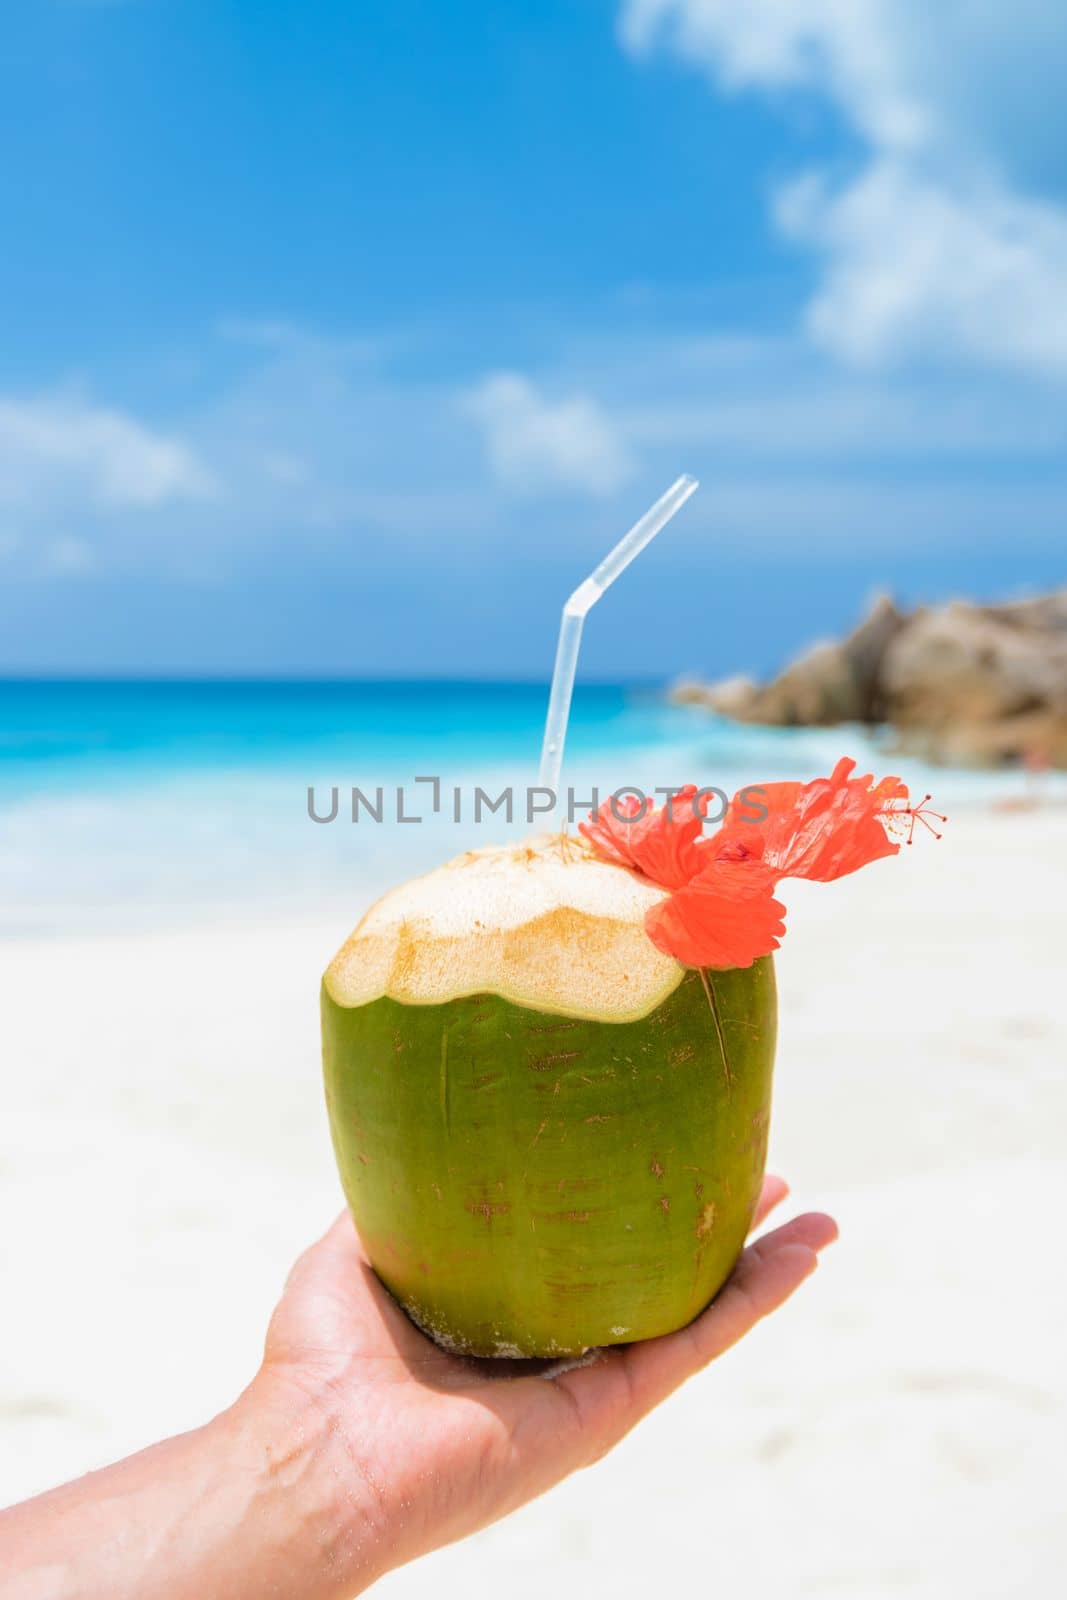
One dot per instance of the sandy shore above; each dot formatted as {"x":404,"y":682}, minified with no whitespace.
{"x":898,"y":1430}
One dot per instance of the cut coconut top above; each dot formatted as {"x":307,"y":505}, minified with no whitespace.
{"x":545,"y":925}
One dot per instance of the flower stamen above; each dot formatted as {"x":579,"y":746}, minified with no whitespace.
{"x":909,"y":814}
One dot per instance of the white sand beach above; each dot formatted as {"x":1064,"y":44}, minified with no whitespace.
{"x":898,"y":1429}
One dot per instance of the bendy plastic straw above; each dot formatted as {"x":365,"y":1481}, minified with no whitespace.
{"x":578,"y":608}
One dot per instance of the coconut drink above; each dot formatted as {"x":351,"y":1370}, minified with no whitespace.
{"x":548,"y":1065}
{"x":551,"y":1134}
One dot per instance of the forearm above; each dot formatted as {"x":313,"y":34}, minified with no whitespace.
{"x":259,"y":1501}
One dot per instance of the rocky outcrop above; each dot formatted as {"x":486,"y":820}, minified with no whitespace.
{"x":983,"y":685}
{"x":830,"y":683}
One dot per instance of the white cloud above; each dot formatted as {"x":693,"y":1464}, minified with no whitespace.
{"x":65,"y":448}
{"x":281,"y":338}
{"x":285,"y":468}
{"x":780,"y":404}
{"x":909,"y":263}
{"x":264,"y":333}
{"x":69,"y":557}
{"x":535,"y":443}
{"x":932,"y":248}
{"x":843,"y":47}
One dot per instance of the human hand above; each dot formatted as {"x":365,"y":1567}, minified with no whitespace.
{"x":359,"y":1444}
{"x":414,"y":1448}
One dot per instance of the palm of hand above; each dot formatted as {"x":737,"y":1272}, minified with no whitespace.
{"x":442,"y":1444}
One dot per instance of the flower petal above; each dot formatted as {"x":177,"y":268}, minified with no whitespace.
{"x":820,"y":830}
{"x":724,"y":917}
{"x":721,"y":911}
{"x":662,"y":845}
{"x":610,"y":830}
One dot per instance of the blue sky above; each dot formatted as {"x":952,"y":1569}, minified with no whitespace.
{"x":345,"y":338}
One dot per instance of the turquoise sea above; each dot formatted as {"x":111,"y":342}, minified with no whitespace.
{"x":140,"y":803}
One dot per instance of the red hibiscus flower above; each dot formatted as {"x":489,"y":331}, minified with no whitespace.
{"x":721,"y":911}
{"x":726,"y":915}
{"x":823,"y":829}
{"x":660,"y":845}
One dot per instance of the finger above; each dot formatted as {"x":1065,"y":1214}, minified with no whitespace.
{"x":342,"y":1237}
{"x":340,"y":1243}
{"x":769,"y":1271}
{"x":335,"y":1305}
{"x":772,"y":1194}
{"x":384,"y":1327}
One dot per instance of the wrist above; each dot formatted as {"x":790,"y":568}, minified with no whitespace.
{"x":314,"y":1520}
{"x":262,"y":1500}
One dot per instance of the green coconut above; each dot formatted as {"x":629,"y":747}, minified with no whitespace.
{"x":551,"y":1135}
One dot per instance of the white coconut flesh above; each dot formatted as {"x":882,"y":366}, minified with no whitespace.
{"x":546,"y":925}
